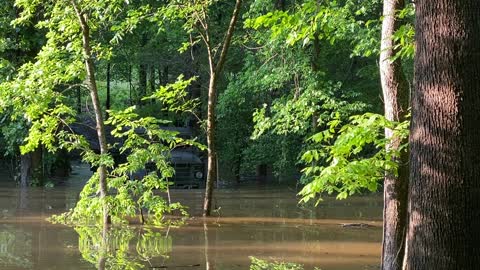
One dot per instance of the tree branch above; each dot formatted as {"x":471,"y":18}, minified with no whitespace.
{"x":228,"y":37}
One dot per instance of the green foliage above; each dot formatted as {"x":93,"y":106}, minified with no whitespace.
{"x":145,"y":144}
{"x":404,"y":37}
{"x":119,"y":94}
{"x":258,"y":264}
{"x":298,"y":70}
{"x":346,"y":159}
{"x":194,"y":15}
{"x":330,"y":20}
{"x":13,"y":134}
{"x":293,"y":114}
{"x":39,"y":94}
{"x":292,"y":70}
{"x":279,"y":87}
{"x":174,"y":97}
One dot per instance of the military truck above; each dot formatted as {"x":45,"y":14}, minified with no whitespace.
{"x":189,"y":169}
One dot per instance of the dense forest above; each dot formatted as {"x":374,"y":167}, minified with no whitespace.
{"x":333,"y":98}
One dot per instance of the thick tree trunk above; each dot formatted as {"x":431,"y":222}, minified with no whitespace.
{"x":37,"y":172}
{"x":25,"y":170}
{"x":395,"y":94}
{"x":100,"y":126}
{"x":215,"y":71}
{"x":444,"y":193}
{"x":31,"y":168}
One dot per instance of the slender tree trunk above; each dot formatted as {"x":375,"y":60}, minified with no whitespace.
{"x":130,"y":84}
{"x":215,"y":71}
{"x":100,"y":126}
{"x":237,"y":169}
{"x":79,"y":100}
{"x":152,"y":85}
{"x":165,"y":75}
{"x":315,"y":68}
{"x":212,"y":157}
{"x":108,"y":101}
{"x":104,"y":249}
{"x":395,"y":94}
{"x":208,"y":263}
{"x":159,"y":74}
{"x":444,"y":192}
{"x":142,"y":82}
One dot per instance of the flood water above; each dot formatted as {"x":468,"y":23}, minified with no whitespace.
{"x":258,"y":221}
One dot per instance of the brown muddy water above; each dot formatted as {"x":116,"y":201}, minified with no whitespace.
{"x":258,"y":221}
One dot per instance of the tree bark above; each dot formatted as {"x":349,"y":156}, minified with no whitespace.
{"x":215,"y":71}
{"x":142,"y":82}
{"x":100,"y":126}
{"x":280,"y":5}
{"x":165,"y":75}
{"x":396,"y":98}
{"x":31,"y":168}
{"x":37,"y":173}
{"x":444,"y":193}
{"x":25,"y":170}
{"x":79,"y":100}
{"x":130,"y":84}
{"x":211,"y":148}
{"x":152,"y":83}
{"x":159,"y":74}
{"x":108,"y":101}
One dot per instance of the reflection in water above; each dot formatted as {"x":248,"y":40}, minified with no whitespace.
{"x":11,"y":240}
{"x":122,"y":247}
{"x":208,"y":264}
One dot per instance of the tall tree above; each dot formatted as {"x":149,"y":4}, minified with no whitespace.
{"x":108,"y":96}
{"x":92,"y":87}
{"x":444,"y":193}
{"x":395,"y":95}
{"x":215,"y":68}
{"x":197,"y":16}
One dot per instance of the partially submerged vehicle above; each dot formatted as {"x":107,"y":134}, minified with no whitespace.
{"x":189,"y":169}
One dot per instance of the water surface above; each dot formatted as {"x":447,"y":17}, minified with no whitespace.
{"x":258,"y":221}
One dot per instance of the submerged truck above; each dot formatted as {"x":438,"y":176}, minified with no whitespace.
{"x":188,"y":165}
{"x":189,"y":169}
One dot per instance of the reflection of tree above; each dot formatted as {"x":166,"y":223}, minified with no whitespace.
{"x":122,"y":248}
{"x":208,"y":264}
{"x":11,"y":240}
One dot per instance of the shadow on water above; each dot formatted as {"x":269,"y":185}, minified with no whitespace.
{"x":251,"y":221}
